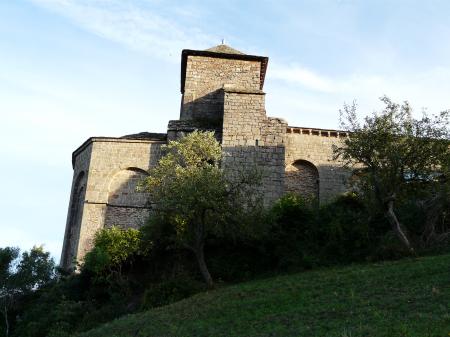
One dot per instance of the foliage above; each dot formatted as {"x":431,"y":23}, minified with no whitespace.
{"x":112,"y":248}
{"x":348,"y":232}
{"x":8,"y":283}
{"x":358,"y":300}
{"x":229,"y":259}
{"x":52,"y":308}
{"x":396,"y":156}
{"x":195,"y":197}
{"x":75,"y":303}
{"x":21,"y":277}
{"x":35,"y":269}
{"x":293,"y":234}
{"x":304,"y":235}
{"x":7,"y":256}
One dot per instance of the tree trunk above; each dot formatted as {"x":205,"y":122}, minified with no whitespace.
{"x":396,"y":225}
{"x":6,"y":321}
{"x":199,"y":254}
{"x":433,"y":209}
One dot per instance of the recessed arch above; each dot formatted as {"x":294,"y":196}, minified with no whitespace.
{"x":302,"y":177}
{"x":74,"y":221}
{"x":122,"y":190}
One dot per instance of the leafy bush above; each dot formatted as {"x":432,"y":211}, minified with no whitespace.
{"x":48,"y":310}
{"x":304,"y":235}
{"x":344,"y":230}
{"x":229,"y":259}
{"x":293,"y":232}
{"x":74,"y":303}
{"x":112,"y":248}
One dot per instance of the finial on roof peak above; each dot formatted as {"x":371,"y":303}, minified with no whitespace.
{"x":224,"y":49}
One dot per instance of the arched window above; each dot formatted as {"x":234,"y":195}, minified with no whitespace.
{"x":302,"y":177}
{"x":74,"y":221}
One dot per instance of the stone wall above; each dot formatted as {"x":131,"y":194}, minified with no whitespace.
{"x":251,"y":139}
{"x":206,"y":76}
{"x":113,"y":167}
{"x":314,"y":146}
{"x":76,"y":207}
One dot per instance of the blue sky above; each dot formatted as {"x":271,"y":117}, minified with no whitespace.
{"x":71,"y":69}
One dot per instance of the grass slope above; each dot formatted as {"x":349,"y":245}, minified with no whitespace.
{"x":404,"y":298}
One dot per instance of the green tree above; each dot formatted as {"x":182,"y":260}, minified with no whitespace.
{"x":192,"y":193}
{"x":112,"y":248}
{"x":7,"y":291}
{"x":395,"y":156}
{"x":19,"y":277}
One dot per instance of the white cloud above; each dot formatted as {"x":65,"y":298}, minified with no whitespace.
{"x":162,"y":30}
{"x":297,"y":74}
{"x":304,"y":97}
{"x":137,"y":27}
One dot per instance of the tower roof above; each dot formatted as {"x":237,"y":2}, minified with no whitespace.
{"x":225,"y":52}
{"x":224,"y":49}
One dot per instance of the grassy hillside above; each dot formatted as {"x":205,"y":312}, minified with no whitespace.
{"x":405,"y":298}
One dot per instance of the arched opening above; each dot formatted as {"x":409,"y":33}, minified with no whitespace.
{"x":74,"y":222}
{"x":302,"y":177}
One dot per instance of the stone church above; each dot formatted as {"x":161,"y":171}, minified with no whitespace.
{"x":222,"y":91}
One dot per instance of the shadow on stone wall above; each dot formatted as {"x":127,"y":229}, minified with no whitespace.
{"x":125,"y":206}
{"x":207,"y":109}
{"x":333,"y":181}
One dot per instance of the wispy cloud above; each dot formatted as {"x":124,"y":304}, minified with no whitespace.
{"x":162,"y":30}
{"x":300,"y":93}
{"x":297,"y":74}
{"x":135,"y":24}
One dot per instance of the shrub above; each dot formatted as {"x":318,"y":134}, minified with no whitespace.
{"x":304,"y":235}
{"x":293,"y":232}
{"x":344,"y":229}
{"x":72,"y":304}
{"x":49,"y":311}
{"x":112,"y":248}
